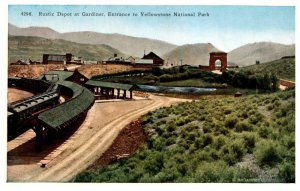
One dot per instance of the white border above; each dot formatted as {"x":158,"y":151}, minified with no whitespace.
{"x":121,"y":187}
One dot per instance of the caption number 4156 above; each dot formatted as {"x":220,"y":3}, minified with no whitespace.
{"x":26,"y":14}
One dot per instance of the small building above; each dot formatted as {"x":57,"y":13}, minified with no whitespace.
{"x":238,"y":94}
{"x":57,"y":58}
{"x":157,"y":61}
{"x":62,"y":75}
{"x":141,"y":63}
{"x":116,"y":60}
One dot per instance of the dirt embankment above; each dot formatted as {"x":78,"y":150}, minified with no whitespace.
{"x":96,"y":69}
{"x":32,"y":71}
{"x":127,"y":142}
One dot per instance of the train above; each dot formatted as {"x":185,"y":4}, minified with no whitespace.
{"x":21,"y":114}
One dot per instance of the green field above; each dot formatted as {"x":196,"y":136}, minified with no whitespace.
{"x":25,"y":47}
{"x":222,"y":139}
{"x":194,"y":83}
{"x":283,"y":68}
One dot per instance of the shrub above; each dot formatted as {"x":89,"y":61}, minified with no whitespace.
{"x":159,"y":143}
{"x":270,"y":107}
{"x":254,"y":119}
{"x":287,"y":172}
{"x":171,"y":127}
{"x":231,"y":121}
{"x":220,"y":141}
{"x":234,"y":152}
{"x":237,"y":148}
{"x":216,"y":171}
{"x":249,"y":141}
{"x":207,"y":140}
{"x":243,"y":126}
{"x":267,"y":153}
{"x":264,"y":132}
{"x":154,"y":162}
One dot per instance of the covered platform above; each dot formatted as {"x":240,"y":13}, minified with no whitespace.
{"x":107,"y":89}
{"x":65,"y":114}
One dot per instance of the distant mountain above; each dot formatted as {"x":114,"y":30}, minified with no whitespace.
{"x":261,"y":51}
{"x":28,"y":47}
{"x":191,"y":54}
{"x":284,"y":68}
{"x":129,"y":45}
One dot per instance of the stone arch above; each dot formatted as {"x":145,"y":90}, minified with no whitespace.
{"x":214,"y":56}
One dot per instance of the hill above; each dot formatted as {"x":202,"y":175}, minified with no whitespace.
{"x":262,"y":51}
{"x":133,"y":46}
{"x":284,"y":68}
{"x":191,"y":54}
{"x":26,"y":47}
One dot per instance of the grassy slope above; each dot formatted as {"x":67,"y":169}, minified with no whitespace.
{"x":284,"y":68}
{"x":22,"y":47}
{"x":247,"y":139}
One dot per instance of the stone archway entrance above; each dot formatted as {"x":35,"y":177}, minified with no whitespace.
{"x":215,"y":56}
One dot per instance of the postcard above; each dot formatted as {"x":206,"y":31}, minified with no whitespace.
{"x":151,"y":93}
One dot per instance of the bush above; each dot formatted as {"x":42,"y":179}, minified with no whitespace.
{"x":243,"y":126}
{"x":237,"y":148}
{"x":211,"y":172}
{"x":234,"y":152}
{"x":220,"y":141}
{"x":231,"y":121}
{"x":264,"y":132}
{"x":154,"y":163}
{"x":249,"y":141}
{"x":287,"y":172}
{"x":267,"y":153}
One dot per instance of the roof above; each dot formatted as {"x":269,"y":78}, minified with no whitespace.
{"x":33,"y":101}
{"x":218,"y":52}
{"x":76,"y":89}
{"x":111,"y":85}
{"x":68,"y":111}
{"x":62,"y":75}
{"x":143,"y":61}
{"x":53,"y":57}
{"x":151,"y":55}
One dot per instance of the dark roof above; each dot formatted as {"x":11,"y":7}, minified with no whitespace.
{"x":68,"y":111}
{"x":111,"y":85}
{"x":151,"y":55}
{"x":76,"y":89}
{"x":220,"y":52}
{"x":62,"y":75}
{"x":55,"y":57}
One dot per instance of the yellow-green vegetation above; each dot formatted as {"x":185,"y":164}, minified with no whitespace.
{"x":194,"y":83}
{"x":245,"y":139}
{"x":194,"y":77}
{"x":283,"y":68}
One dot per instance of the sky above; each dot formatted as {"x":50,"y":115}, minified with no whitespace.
{"x":226,"y":27}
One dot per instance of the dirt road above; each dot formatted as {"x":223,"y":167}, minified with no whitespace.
{"x":14,"y":94}
{"x":102,"y":125}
